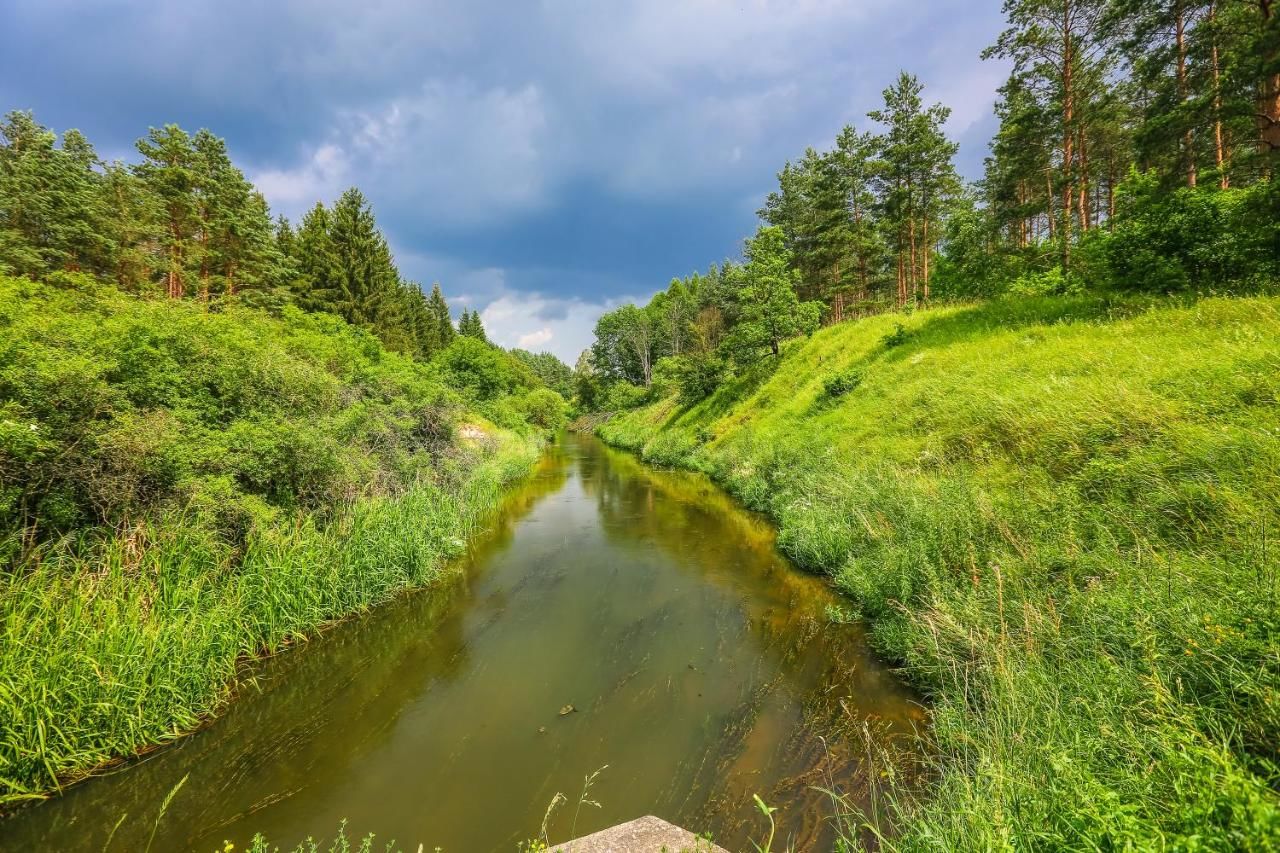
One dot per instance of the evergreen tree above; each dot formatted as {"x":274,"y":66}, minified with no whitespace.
{"x":916,"y":177}
{"x":51,"y":214}
{"x":469,"y":326}
{"x":439,"y":309}
{"x":170,"y":171}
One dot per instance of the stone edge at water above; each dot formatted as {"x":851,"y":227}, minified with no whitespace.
{"x":644,"y":835}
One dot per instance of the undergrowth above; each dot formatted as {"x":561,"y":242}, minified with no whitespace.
{"x":183,"y":489}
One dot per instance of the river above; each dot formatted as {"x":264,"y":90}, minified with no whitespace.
{"x":700,"y":667}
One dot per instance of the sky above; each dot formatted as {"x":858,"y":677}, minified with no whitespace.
{"x":543,"y":160}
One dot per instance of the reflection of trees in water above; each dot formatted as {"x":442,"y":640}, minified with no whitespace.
{"x":302,"y":718}
{"x":817,"y":689}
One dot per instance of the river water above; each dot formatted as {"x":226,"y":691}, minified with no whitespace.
{"x":700,"y":666}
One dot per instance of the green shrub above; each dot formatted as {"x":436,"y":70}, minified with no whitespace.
{"x":842,"y":383}
{"x":621,"y":396}
{"x":181,"y":488}
{"x":896,"y":338}
{"x":545,"y":409}
{"x":482,"y":371}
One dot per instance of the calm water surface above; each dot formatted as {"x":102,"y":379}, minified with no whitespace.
{"x":702,"y":667}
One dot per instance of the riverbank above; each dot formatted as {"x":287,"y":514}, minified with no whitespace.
{"x":703,"y":683}
{"x":182,"y":489}
{"x":1060,"y":516}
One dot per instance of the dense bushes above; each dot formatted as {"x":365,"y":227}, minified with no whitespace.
{"x":114,"y":407}
{"x":1165,"y":242}
{"x":1159,"y":242}
{"x":180,"y":488}
{"x":1059,"y":514}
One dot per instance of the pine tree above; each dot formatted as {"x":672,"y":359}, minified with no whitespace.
{"x":1057,"y":50}
{"x":170,"y":171}
{"x":469,"y":326}
{"x":51,"y":202}
{"x":916,"y":177}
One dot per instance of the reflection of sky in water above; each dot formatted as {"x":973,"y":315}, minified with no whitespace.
{"x":700,"y":666}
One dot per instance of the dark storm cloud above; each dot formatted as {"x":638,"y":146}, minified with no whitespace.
{"x":540,"y":160}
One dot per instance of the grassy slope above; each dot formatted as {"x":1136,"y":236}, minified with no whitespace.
{"x":226,"y":483}
{"x":1062,"y":516}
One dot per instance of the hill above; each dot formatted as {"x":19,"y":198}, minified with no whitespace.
{"x":1060,"y":515}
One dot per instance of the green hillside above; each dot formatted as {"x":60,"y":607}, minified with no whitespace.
{"x":1061,"y":516}
{"x":183,"y":487}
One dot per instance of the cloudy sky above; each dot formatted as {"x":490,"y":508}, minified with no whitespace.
{"x":543,"y":160}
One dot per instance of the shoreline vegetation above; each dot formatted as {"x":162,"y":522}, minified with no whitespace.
{"x":219,"y":432}
{"x":203,"y":487}
{"x":1059,"y":515}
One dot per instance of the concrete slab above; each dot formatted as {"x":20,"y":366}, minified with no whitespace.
{"x":645,"y":835}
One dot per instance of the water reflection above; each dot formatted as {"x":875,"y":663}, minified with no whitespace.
{"x":701,"y":667}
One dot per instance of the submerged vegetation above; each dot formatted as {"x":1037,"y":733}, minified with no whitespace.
{"x":1060,"y":514}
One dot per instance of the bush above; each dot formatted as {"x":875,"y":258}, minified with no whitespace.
{"x":482,"y":371}
{"x":698,"y":375}
{"x":1050,"y":282}
{"x":1164,"y":242}
{"x":620,"y":396}
{"x":544,"y":408}
{"x":114,"y":408}
{"x":896,"y":338}
{"x":842,"y":383}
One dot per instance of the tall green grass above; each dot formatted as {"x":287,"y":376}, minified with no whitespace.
{"x":1061,"y":516}
{"x":110,"y":646}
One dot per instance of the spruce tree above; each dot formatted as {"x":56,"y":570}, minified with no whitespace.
{"x":439,"y":308}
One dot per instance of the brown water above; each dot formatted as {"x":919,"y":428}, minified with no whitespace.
{"x":703,"y":669}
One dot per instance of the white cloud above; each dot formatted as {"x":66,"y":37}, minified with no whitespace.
{"x":319,"y":178}
{"x":544,"y":323}
{"x":536,"y":339}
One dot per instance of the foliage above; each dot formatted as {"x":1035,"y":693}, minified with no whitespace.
{"x":549,"y":369}
{"x":469,"y":326}
{"x":1165,"y":241}
{"x":482,"y":371}
{"x":544,"y":408}
{"x":183,"y":488}
{"x":1057,"y":514}
{"x":184,"y":222}
{"x":766,"y":308}
{"x":839,"y":384}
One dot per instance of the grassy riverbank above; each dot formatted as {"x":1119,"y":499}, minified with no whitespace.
{"x":181,"y":489}
{"x":1062,"y":516}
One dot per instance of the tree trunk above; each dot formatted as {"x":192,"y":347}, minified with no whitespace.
{"x":1068,"y":122}
{"x":915,"y":278}
{"x":1048,"y":201}
{"x":1220,"y":150}
{"x":1188,"y":135}
{"x":837,"y":302}
{"x":902,"y":280}
{"x":928,"y":250}
{"x":1111,"y":195}
{"x":175,"y":263}
{"x":1082,"y":196}
{"x":1268,"y":109}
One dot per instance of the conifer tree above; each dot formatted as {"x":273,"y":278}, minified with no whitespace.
{"x":170,"y":171}
{"x":439,"y":308}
